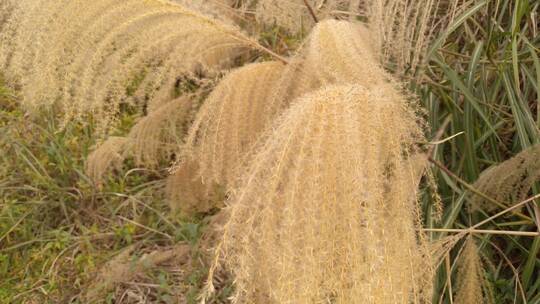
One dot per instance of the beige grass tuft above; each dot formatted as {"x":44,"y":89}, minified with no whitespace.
{"x":157,"y":136}
{"x":335,"y":52}
{"x":230,"y":121}
{"x":124,"y":267}
{"x":188,"y":195}
{"x":82,"y":55}
{"x":107,"y":157}
{"x":509,"y":181}
{"x":327,"y":211}
{"x":470,"y":275}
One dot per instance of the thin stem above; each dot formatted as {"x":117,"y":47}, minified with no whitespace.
{"x":505,"y":232}
{"x":448,"y":276}
{"x":439,"y":134}
{"x":516,"y":273}
{"x":506,"y":210}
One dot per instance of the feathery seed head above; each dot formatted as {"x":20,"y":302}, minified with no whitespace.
{"x":510,"y":180}
{"x":327,"y":209}
{"x":82,"y":54}
{"x":336,"y":52}
{"x":470,"y":275}
{"x":230,"y":121}
{"x":157,"y":136}
{"x":107,"y":157}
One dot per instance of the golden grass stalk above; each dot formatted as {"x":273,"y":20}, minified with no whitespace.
{"x":508,"y":181}
{"x":327,"y":212}
{"x":441,"y":247}
{"x":83,"y":54}
{"x":107,"y":157}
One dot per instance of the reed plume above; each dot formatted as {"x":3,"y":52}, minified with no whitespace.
{"x":106,"y":158}
{"x":326,"y":212}
{"x":157,"y":136}
{"x":230,"y":121}
{"x":403,"y":31}
{"x":82,"y":55}
{"x":335,"y":52}
{"x":510,"y":180}
{"x":470,"y":275}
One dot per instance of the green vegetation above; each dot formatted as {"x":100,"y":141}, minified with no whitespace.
{"x":57,"y":229}
{"x":485,"y":82}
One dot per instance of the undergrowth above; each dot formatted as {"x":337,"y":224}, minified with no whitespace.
{"x":57,"y":228}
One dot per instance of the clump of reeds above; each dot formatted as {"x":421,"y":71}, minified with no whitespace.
{"x":327,"y":212}
{"x":509,"y":181}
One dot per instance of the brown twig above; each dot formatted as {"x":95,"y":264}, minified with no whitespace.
{"x":311,"y":11}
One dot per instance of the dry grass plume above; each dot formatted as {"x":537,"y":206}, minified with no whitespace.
{"x":470,"y":277}
{"x":107,"y":157}
{"x":158,"y":136}
{"x":82,"y":55}
{"x":509,"y":181}
{"x":327,"y":212}
{"x":229,"y":123}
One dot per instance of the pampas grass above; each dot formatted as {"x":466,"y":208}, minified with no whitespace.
{"x":85,"y":54}
{"x":470,"y":275}
{"x":326,"y":212}
{"x":230,"y":121}
{"x":510,"y":180}
{"x":106,"y":158}
{"x":157,"y":136}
